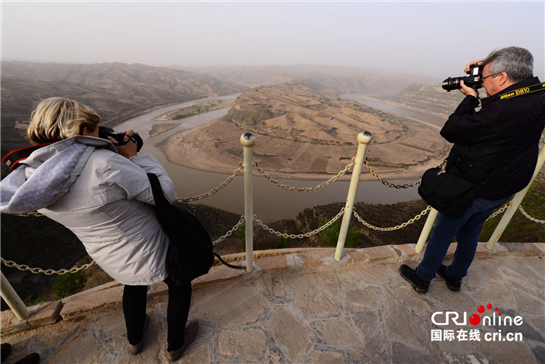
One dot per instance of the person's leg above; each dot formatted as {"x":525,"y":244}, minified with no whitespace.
{"x":134,"y":310}
{"x":442,"y":235}
{"x":468,"y":236}
{"x":179,"y":301}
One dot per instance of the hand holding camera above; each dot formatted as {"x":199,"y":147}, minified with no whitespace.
{"x":127,"y":143}
{"x":477,"y":62}
{"x":467,"y":90}
{"x":467,"y":85}
{"x":127,"y":147}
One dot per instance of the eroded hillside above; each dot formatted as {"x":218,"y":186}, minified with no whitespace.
{"x":301,"y":131}
{"x":335,"y":79}
{"x":117,"y":91}
{"x":430,"y":99}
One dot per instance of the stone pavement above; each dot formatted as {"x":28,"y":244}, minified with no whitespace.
{"x":300,"y":306}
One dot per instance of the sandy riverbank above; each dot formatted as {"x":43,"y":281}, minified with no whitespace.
{"x":397,"y":104}
{"x":301,"y":134}
{"x":192,"y":155}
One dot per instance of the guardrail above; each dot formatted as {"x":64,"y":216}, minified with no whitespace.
{"x":248,"y":142}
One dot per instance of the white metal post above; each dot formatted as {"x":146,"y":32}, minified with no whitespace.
{"x":248,"y":140}
{"x":364,"y":138}
{"x":426,"y":230}
{"x":515,"y":203}
{"x":12,"y":299}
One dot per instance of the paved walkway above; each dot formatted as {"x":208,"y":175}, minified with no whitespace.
{"x":313,"y":311}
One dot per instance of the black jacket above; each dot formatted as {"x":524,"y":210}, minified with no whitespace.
{"x":484,"y":139}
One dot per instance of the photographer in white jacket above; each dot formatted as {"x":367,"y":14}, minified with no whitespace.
{"x":100,"y":191}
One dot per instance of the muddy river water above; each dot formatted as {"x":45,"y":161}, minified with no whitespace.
{"x":270,"y":202}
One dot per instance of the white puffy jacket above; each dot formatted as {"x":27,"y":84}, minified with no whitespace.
{"x":106,"y":201}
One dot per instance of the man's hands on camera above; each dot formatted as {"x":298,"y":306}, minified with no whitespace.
{"x":467,"y":90}
{"x":128,"y":150}
{"x":477,"y":62}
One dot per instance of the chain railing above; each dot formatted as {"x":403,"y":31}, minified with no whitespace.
{"x":188,"y":199}
{"x":47,"y":272}
{"x":398,"y":227}
{"x":499,"y":211}
{"x":527,"y":215}
{"x":305,"y":189}
{"x":299,"y":236}
{"x":215,"y":190}
{"x":386,"y":183}
{"x":230,"y":232}
{"x":30,"y":214}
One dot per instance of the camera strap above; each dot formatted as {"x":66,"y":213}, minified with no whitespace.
{"x":13,"y":158}
{"x":523,"y":91}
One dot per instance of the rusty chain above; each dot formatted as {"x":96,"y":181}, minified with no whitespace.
{"x":530,"y":217}
{"x":299,"y":236}
{"x":233,"y":229}
{"x":215,"y":190}
{"x":305,"y":189}
{"x":400,"y":226}
{"x":499,"y":211}
{"x":386,"y":183}
{"x":47,"y":272}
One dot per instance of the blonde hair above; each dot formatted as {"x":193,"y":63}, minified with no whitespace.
{"x":57,"y":118}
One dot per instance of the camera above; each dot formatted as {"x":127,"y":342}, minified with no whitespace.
{"x":473,"y":80}
{"x":104,"y":132}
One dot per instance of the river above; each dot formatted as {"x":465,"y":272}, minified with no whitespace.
{"x":271,"y":203}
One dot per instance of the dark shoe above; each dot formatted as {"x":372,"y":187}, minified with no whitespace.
{"x":137,"y":349}
{"x":33,"y":358}
{"x":453,"y":284}
{"x":410,"y":276}
{"x":6,"y":349}
{"x":190,"y":334}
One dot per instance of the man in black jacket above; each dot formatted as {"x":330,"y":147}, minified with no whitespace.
{"x":505,"y":131}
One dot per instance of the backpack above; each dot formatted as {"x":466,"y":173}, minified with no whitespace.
{"x":190,"y":253}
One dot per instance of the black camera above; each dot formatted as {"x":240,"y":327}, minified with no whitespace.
{"x":104,"y":132}
{"x":473,"y":80}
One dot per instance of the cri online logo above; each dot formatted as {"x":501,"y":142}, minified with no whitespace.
{"x":475,"y":319}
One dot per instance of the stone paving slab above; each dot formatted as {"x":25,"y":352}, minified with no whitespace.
{"x":360,"y":311}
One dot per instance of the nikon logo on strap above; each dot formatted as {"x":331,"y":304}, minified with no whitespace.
{"x":523,"y":91}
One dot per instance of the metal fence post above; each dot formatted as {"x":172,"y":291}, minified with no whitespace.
{"x":248,"y":140}
{"x":426,"y":230}
{"x":364,"y":138}
{"x":12,"y":299}
{"x":515,"y":203}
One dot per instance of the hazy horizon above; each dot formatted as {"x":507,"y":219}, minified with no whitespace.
{"x":433,"y":39}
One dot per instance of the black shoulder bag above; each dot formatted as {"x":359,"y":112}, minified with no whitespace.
{"x":190,"y":252}
{"x":444,"y":190}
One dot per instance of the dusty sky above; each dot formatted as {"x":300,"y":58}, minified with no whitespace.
{"x":430,"y":38}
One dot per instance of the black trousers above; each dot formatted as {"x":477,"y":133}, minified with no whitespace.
{"x":134,"y":309}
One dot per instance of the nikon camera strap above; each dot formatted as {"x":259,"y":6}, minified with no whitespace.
{"x":523,"y":91}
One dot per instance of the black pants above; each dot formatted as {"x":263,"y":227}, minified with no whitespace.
{"x":134,"y":309}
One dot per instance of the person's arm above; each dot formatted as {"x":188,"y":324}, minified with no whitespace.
{"x":467,"y":127}
{"x":129,"y":178}
{"x":128,"y":171}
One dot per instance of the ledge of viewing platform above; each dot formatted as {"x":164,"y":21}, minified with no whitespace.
{"x":301,"y":306}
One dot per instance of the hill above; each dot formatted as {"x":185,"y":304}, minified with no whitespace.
{"x":334,"y":79}
{"x":308,"y":133}
{"x":431,"y":99}
{"x":117,"y":91}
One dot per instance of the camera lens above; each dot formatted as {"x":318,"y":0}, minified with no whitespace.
{"x":451,"y":83}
